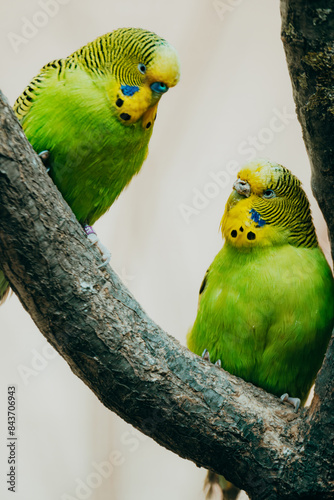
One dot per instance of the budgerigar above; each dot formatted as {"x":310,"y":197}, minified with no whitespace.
{"x":92,"y":115}
{"x":266,"y":308}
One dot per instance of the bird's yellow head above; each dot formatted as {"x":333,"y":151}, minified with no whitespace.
{"x":268,"y":206}
{"x":144,"y":67}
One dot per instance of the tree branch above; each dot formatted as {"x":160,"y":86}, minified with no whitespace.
{"x":194,"y":409}
{"x":308,"y":39}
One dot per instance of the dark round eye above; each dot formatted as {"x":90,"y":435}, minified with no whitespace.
{"x":142,"y":68}
{"x":269,"y":193}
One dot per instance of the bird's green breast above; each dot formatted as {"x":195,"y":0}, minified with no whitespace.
{"x":267,"y":313}
{"x":93,"y":155}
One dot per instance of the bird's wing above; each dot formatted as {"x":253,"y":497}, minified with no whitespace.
{"x":24,"y":102}
{"x":203,"y":285}
{"x":90,"y":57}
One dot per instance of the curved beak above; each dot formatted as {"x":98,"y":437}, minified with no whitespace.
{"x":242,"y":187}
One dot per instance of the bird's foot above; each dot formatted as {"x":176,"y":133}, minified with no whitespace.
{"x":206,"y":357}
{"x":44,"y":156}
{"x":295,"y":402}
{"x":93,"y":238}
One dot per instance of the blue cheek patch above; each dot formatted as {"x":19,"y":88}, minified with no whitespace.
{"x":129,"y":90}
{"x":256,"y":217}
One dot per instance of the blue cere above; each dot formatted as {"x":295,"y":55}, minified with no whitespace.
{"x":129,"y":90}
{"x":256,"y":217}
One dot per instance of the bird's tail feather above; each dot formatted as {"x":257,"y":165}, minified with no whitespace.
{"x":4,"y":288}
{"x":229,"y":491}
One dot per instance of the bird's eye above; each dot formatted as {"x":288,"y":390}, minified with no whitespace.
{"x":142,"y":68}
{"x":269,"y":193}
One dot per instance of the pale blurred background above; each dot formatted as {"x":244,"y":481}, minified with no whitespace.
{"x":234,"y":102}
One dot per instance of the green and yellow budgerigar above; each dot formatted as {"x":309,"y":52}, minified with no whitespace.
{"x":266,"y":307}
{"x":93,"y":114}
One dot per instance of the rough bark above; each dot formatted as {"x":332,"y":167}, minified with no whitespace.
{"x":136,"y":369}
{"x":308,"y":39}
{"x":194,"y":409}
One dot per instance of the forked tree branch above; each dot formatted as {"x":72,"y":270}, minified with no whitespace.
{"x":198,"y":411}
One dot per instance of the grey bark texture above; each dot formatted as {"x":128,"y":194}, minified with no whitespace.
{"x":196,"y":410}
{"x":308,"y":40}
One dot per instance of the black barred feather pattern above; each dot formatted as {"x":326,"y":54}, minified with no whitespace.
{"x":290,"y":209}
{"x":266,"y":305}
{"x":113,"y":53}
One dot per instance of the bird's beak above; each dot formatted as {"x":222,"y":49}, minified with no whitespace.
{"x":242,"y":187}
{"x":159,"y":87}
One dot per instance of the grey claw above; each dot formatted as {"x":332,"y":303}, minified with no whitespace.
{"x":44,"y":156}
{"x":104,"y":264}
{"x":94,"y":241}
{"x":206,"y":355}
{"x":295,"y":402}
